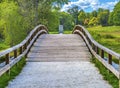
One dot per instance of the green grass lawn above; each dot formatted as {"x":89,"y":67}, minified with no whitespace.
{"x":65,"y":32}
{"x":107,"y":36}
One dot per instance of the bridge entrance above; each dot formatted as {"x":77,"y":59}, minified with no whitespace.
{"x":59,"y":61}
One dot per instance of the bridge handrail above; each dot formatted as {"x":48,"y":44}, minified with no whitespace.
{"x":95,"y":48}
{"x":22,"y":48}
{"x":36,"y":29}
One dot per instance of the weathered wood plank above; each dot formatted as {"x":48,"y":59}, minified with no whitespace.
{"x":51,"y":59}
{"x":60,"y":48}
{"x":44,"y":48}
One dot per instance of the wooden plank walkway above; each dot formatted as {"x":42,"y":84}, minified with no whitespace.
{"x":59,"y":47}
{"x":59,"y":61}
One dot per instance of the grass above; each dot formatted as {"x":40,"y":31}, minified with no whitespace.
{"x":14,"y":71}
{"x":67,"y":32}
{"x":64,"y":32}
{"x":107,"y":36}
{"x":55,"y":32}
{"x":108,"y":76}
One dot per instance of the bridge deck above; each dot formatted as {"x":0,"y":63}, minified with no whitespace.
{"x":59,"y":61}
{"x":59,"y":47}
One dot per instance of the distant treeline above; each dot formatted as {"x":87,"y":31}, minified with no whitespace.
{"x":98,"y":17}
{"x":19,"y":17}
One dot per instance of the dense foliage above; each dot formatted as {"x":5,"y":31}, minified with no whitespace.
{"x":116,"y":14}
{"x":19,"y":17}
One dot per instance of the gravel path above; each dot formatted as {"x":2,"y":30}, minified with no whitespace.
{"x":59,"y":75}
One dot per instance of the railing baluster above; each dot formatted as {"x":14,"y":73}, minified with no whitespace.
{"x":110,"y":59}
{"x":15,"y":53}
{"x":25,"y":46}
{"x":93,"y":46}
{"x":90,"y":42}
{"x":21,"y":50}
{"x":97,"y":49}
{"x":7,"y":58}
{"x":102,"y":53}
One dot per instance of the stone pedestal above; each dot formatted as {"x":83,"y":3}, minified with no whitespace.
{"x":60,"y":29}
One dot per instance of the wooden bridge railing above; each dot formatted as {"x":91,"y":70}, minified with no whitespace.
{"x":21,"y":49}
{"x":98,"y":50}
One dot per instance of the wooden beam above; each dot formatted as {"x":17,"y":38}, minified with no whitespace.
{"x":110,"y":59}
{"x":7,"y":59}
{"x":15,"y":53}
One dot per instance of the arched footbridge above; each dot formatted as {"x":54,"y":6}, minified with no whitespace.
{"x":59,"y":60}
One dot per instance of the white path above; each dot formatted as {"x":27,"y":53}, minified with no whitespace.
{"x":59,"y":75}
{"x":59,"y":61}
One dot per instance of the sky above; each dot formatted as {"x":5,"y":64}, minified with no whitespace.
{"x":90,"y":5}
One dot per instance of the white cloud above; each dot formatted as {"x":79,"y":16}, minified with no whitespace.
{"x":92,"y":4}
{"x":108,"y":5}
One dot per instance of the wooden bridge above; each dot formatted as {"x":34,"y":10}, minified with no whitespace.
{"x":78,"y":48}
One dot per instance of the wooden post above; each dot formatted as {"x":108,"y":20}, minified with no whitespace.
{"x":28,"y":42}
{"x":94,"y":47}
{"x":89,"y":42}
{"x":25,"y":46}
{"x":97,"y":50}
{"x":102,"y":53}
{"x":7,"y":59}
{"x":32,"y":36}
{"x":7,"y":62}
{"x":21,"y":49}
{"x":110,"y":59}
{"x":15,"y":53}
{"x":37,"y":31}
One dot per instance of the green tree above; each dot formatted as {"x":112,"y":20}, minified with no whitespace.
{"x":100,"y":10}
{"x":94,"y":14}
{"x":93,"y":22}
{"x":88,"y":15}
{"x":18,"y":17}
{"x":68,"y":20}
{"x":110,"y":20}
{"x":13,"y":24}
{"x":81,"y":17}
{"x":86,"y":22}
{"x":74,"y":12}
{"x":116,"y":14}
{"x":103,"y":17}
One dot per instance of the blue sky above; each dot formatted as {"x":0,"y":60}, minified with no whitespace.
{"x":90,"y":5}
